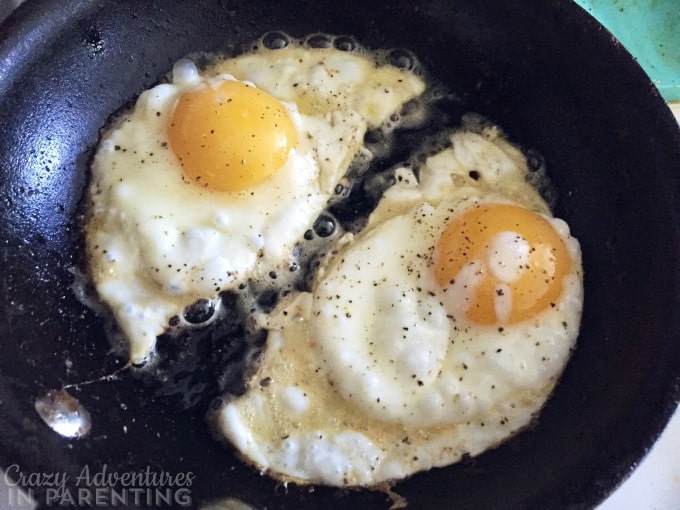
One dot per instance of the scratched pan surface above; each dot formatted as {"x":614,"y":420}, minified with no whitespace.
{"x":544,"y":71}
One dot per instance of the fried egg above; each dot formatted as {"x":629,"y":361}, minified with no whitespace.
{"x":438,"y":331}
{"x":212,"y":177}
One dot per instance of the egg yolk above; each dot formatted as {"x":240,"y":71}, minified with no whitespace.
{"x":516,"y":251}
{"x":230,"y":136}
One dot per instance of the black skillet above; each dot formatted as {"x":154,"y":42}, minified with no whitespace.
{"x":552,"y":77}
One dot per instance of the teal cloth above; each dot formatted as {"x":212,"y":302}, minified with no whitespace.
{"x":650,"y":31}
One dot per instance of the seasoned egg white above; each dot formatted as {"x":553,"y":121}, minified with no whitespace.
{"x":159,"y":238}
{"x":382,"y":370}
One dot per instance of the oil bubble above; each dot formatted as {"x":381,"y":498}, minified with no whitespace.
{"x":403,"y":59}
{"x":345,"y":43}
{"x":275,"y":40}
{"x":324,"y":225}
{"x":319,"y":41}
{"x":64,"y":414}
{"x":199,"y":312}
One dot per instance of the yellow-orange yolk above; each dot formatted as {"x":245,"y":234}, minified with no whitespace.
{"x":230,"y":136}
{"x":515,"y":249}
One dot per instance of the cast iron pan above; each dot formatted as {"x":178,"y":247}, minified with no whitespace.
{"x":552,"y":77}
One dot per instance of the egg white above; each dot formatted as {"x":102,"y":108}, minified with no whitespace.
{"x":156,"y":243}
{"x":371,"y":376}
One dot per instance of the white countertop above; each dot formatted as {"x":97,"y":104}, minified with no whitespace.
{"x":655,"y":483}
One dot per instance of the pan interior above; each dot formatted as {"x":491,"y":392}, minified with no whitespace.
{"x":556,"y":82}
